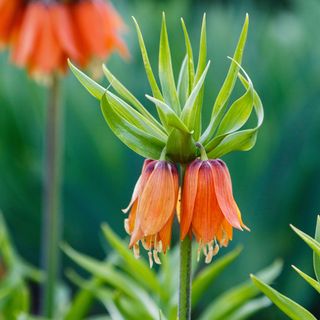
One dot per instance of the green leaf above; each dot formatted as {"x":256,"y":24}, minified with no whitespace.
{"x":172,"y":119}
{"x":312,"y":243}
{"x":239,"y":112}
{"x":205,"y":278}
{"x":151,"y":78}
{"x":315,"y":284}
{"x":129,"y":97}
{"x":92,"y":87}
{"x":183,"y":81}
{"x":249,"y":309}
{"x":189,"y":57}
{"x":242,"y":140}
{"x":134,"y":117}
{"x":190,"y":111}
{"x":136,"y":139}
{"x":202,"y":60}
{"x":316,"y":257}
{"x":221,"y":101}
{"x":137,"y":268}
{"x":103,"y":271}
{"x":289,"y":307}
{"x":165,"y":70}
{"x":237,"y":296}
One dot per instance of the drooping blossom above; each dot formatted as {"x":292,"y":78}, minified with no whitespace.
{"x":208,"y":209}
{"x":152,"y":208}
{"x":43,"y":34}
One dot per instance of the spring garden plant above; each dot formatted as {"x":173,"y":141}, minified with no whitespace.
{"x":176,"y":145}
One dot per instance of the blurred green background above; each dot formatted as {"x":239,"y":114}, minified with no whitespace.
{"x":275,"y":184}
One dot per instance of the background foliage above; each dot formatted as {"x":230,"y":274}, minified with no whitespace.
{"x":277,"y":183}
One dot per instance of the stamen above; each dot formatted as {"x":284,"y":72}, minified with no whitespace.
{"x":136,"y":250}
{"x":126,"y":226}
{"x":156,"y":257}
{"x":199,"y":251}
{"x":159,"y":247}
{"x":150,"y":259}
{"x":216,"y":249}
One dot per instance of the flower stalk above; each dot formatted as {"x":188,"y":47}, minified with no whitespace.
{"x":52,"y":222}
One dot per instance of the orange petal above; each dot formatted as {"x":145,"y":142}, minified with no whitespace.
{"x":145,"y":174}
{"x":8,"y":13}
{"x":159,"y":197}
{"x":223,"y":189}
{"x":48,"y":54}
{"x":203,"y":222}
{"x":63,"y":28}
{"x":189,"y":193}
{"x":165,"y":234}
{"x":28,"y":34}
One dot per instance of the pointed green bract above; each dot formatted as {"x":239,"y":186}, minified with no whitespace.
{"x":315,"y":284}
{"x":202,"y":61}
{"x":316,"y":257}
{"x":92,"y":87}
{"x":190,"y":62}
{"x":242,"y":140}
{"x":136,"y":139}
{"x":227,"y":87}
{"x":288,"y":306}
{"x":239,"y":112}
{"x":183,"y":82}
{"x":171,"y":117}
{"x":129,"y":97}
{"x":189,"y":112}
{"x":166,"y":72}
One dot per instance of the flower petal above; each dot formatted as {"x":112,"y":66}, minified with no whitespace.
{"x":159,"y":197}
{"x":189,"y":193}
{"x":223,"y":189}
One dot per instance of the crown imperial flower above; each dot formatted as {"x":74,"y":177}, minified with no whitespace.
{"x":43,"y":34}
{"x":152,"y":208}
{"x":208,"y":208}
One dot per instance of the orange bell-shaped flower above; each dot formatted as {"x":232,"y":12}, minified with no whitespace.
{"x":208,"y":208}
{"x":153,"y":206}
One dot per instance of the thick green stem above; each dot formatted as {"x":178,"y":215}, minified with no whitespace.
{"x":52,"y":224}
{"x":185,"y":273}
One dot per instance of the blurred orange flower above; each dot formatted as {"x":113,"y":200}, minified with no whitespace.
{"x":153,"y":206}
{"x":208,"y":208}
{"x":43,"y":34}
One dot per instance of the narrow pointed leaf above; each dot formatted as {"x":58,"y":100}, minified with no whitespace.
{"x":137,"y":268}
{"x":202,"y":61}
{"x":166,"y":72}
{"x":206,"y":277}
{"x":237,"y":296}
{"x":228,"y":85}
{"x":134,"y":117}
{"x":315,"y":284}
{"x":190,"y":111}
{"x":286,"y":305}
{"x":242,"y":140}
{"x":136,"y":139}
{"x":249,"y":309}
{"x":92,"y":87}
{"x":189,"y":57}
{"x":312,"y":243}
{"x":151,"y":78}
{"x":316,"y":257}
{"x":129,"y":97}
{"x":183,"y":82}
{"x":172,"y":119}
{"x":239,"y":112}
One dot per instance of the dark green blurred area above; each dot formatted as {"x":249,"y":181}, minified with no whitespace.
{"x":275,"y":184}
